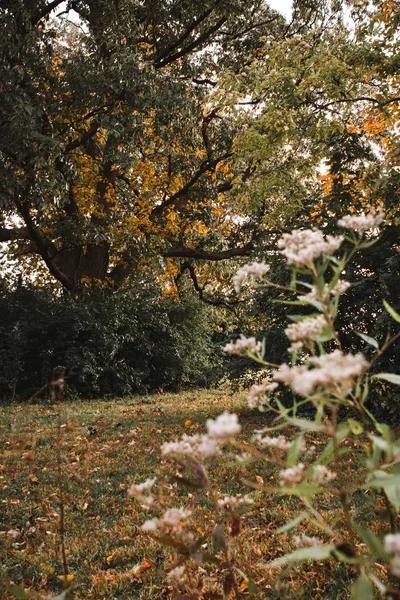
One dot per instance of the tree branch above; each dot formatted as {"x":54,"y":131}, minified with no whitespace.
{"x":185,"y":266}
{"x":45,"y":10}
{"x":192,"y":46}
{"x":187,"y":32}
{"x":172,"y":200}
{"x":9,"y":235}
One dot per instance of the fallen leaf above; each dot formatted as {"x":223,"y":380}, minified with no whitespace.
{"x":144,"y":565}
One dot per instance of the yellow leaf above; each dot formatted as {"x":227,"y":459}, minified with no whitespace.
{"x":67,"y":578}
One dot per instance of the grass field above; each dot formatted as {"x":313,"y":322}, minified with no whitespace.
{"x":90,"y":452}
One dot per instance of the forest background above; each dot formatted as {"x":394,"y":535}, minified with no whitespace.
{"x":148,"y":149}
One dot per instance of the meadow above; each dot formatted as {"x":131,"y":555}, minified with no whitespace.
{"x":65,"y":472}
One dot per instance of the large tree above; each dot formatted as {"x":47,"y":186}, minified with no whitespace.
{"x":111,"y":149}
{"x":189,"y":131}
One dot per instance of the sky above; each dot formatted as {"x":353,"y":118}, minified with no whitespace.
{"x":282,"y":6}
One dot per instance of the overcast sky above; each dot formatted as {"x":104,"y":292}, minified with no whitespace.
{"x":283,"y":6}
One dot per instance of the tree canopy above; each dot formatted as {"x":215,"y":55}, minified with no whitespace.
{"x":168,"y":136}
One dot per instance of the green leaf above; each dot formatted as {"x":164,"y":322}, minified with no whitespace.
{"x":371,"y":341}
{"x":293,"y":523}
{"x":61,"y":596}
{"x":373,"y":542}
{"x":391,"y":311}
{"x":309,"y":553}
{"x":355,"y":426}
{"x":293,"y":454}
{"x":391,"y":377}
{"x":388,"y":482}
{"x":304,"y":488}
{"x":305,"y":424}
{"x":362,"y":589}
{"x":18,"y":592}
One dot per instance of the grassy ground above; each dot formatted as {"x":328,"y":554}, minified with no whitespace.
{"x":101,"y":448}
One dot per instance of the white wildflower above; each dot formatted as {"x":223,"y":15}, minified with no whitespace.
{"x":174,"y":516}
{"x":224,"y":426}
{"x":231,"y":502}
{"x":395,"y":566}
{"x":307,"y":329}
{"x":295,"y":347}
{"x":303,"y":246}
{"x":323,"y":475}
{"x":136,"y":491}
{"x":292,"y":475}
{"x":255,"y":271}
{"x":280,"y":442}
{"x":335,"y":370}
{"x":257,"y":392}
{"x":243,"y":345}
{"x":392,"y":543}
{"x":340,"y":288}
{"x":151,"y":525}
{"x":306,"y":540}
{"x":362,"y":222}
{"x":185,"y":446}
{"x":176,"y":575}
{"x":207,"y":447}
{"x":315,"y":295}
{"x":200,"y":446}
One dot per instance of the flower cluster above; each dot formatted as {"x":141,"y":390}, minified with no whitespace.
{"x":307,"y":329}
{"x":243,"y":345}
{"x":306,"y":540}
{"x":175,"y":575}
{"x":335,"y":370}
{"x":258,"y":391}
{"x":292,"y":475}
{"x":200,"y":446}
{"x":338,"y":289}
{"x":392,"y":546}
{"x":255,"y":271}
{"x":280,"y":442}
{"x":136,"y":491}
{"x":231,"y":502}
{"x":219,"y":431}
{"x":362,"y":222}
{"x":323,"y":475}
{"x":303,"y":246}
{"x":172,"y":518}
{"x":224,"y":427}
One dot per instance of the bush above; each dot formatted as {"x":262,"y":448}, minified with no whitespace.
{"x":109,"y":343}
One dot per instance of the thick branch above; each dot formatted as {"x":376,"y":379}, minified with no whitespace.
{"x":45,"y":10}
{"x":94,"y":127}
{"x":172,"y":200}
{"x":187,"y":32}
{"x":9,"y":235}
{"x":195,"y":44}
{"x":185,"y":266}
{"x":44,"y":248}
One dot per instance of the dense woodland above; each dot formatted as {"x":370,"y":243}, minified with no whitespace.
{"x":149,"y":148}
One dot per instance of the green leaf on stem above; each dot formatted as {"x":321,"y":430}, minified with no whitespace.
{"x":373,"y":542}
{"x":293,"y":523}
{"x":309,"y":553}
{"x":390,"y":377}
{"x":355,"y":426}
{"x":362,"y":589}
{"x":371,"y":341}
{"x":391,"y":311}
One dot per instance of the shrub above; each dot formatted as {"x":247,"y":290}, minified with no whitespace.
{"x":129,"y":341}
